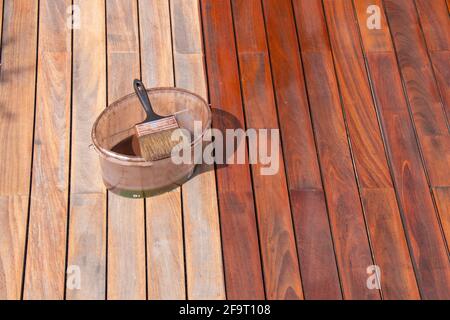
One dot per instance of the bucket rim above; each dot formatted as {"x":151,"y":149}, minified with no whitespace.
{"x":139,"y":161}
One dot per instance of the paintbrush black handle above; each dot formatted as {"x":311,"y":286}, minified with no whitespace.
{"x":141,"y":92}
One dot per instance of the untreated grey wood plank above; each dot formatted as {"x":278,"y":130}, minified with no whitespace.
{"x":17,"y":95}
{"x":126,"y":217}
{"x":165,"y":254}
{"x":87,"y":224}
{"x":45,"y":260}
{"x":201,"y":217}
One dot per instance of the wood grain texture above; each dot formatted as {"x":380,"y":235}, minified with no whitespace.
{"x":278,"y":248}
{"x":165,"y":256}
{"x":87,"y":224}
{"x":1,"y":22}
{"x":440,"y":60}
{"x":45,"y":259}
{"x":426,"y":242}
{"x":435,"y":24}
{"x":352,"y":247}
{"x":380,"y":206}
{"x":422,"y":91}
{"x":126,"y":217}
{"x":204,"y":268}
{"x":16,"y":131}
{"x":436,"y":30}
{"x":242,"y":261}
{"x":442,"y":196}
{"x":314,"y":242}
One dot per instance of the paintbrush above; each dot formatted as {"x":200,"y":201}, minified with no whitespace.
{"x":154,"y":134}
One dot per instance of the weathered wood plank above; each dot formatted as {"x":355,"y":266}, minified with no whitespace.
{"x":314,"y":242}
{"x":87,"y":224}
{"x":165,"y":255}
{"x":380,"y":206}
{"x":201,"y":217}
{"x":243,"y":274}
{"x":278,"y":248}
{"x":17,"y":94}
{"x":126,"y":217}
{"x":45,"y":260}
{"x":352,"y":247}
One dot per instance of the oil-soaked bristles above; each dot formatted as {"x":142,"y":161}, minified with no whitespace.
{"x":155,"y":138}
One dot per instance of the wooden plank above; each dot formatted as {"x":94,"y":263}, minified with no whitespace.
{"x":442,"y":71}
{"x":278,"y":248}
{"x":243,"y":274}
{"x":201,"y":217}
{"x":422,"y":91}
{"x":1,"y":25}
{"x":427,"y":246}
{"x":126,"y":217}
{"x":314,"y":242}
{"x":424,"y":99}
{"x":165,"y":255}
{"x":45,"y":260}
{"x":442,"y":196}
{"x":435,"y":24}
{"x":388,"y":240}
{"x":87,"y":224}
{"x":436,"y":30}
{"x":17,"y":93}
{"x":352,"y":247}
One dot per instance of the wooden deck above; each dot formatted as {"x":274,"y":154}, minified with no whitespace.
{"x":364,"y":178}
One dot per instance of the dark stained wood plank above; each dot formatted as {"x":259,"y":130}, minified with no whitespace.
{"x":426,"y":108}
{"x":126,"y":217}
{"x":424,"y":99}
{"x":200,"y":208}
{"x":352,"y":246}
{"x":87,"y":224}
{"x":428,"y":250}
{"x":435,"y":24}
{"x":242,"y":262}
{"x":278,"y":248}
{"x":365,"y":135}
{"x":442,"y":196}
{"x":45,"y":260}
{"x":314,"y":242}
{"x":421,"y":88}
{"x":388,"y":240}
{"x":17,"y":93}
{"x":165,"y":266}
{"x":440,"y":60}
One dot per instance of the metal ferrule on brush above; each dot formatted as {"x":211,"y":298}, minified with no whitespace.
{"x":156,"y":126}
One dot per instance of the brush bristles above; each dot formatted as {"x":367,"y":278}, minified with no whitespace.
{"x":155,"y":138}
